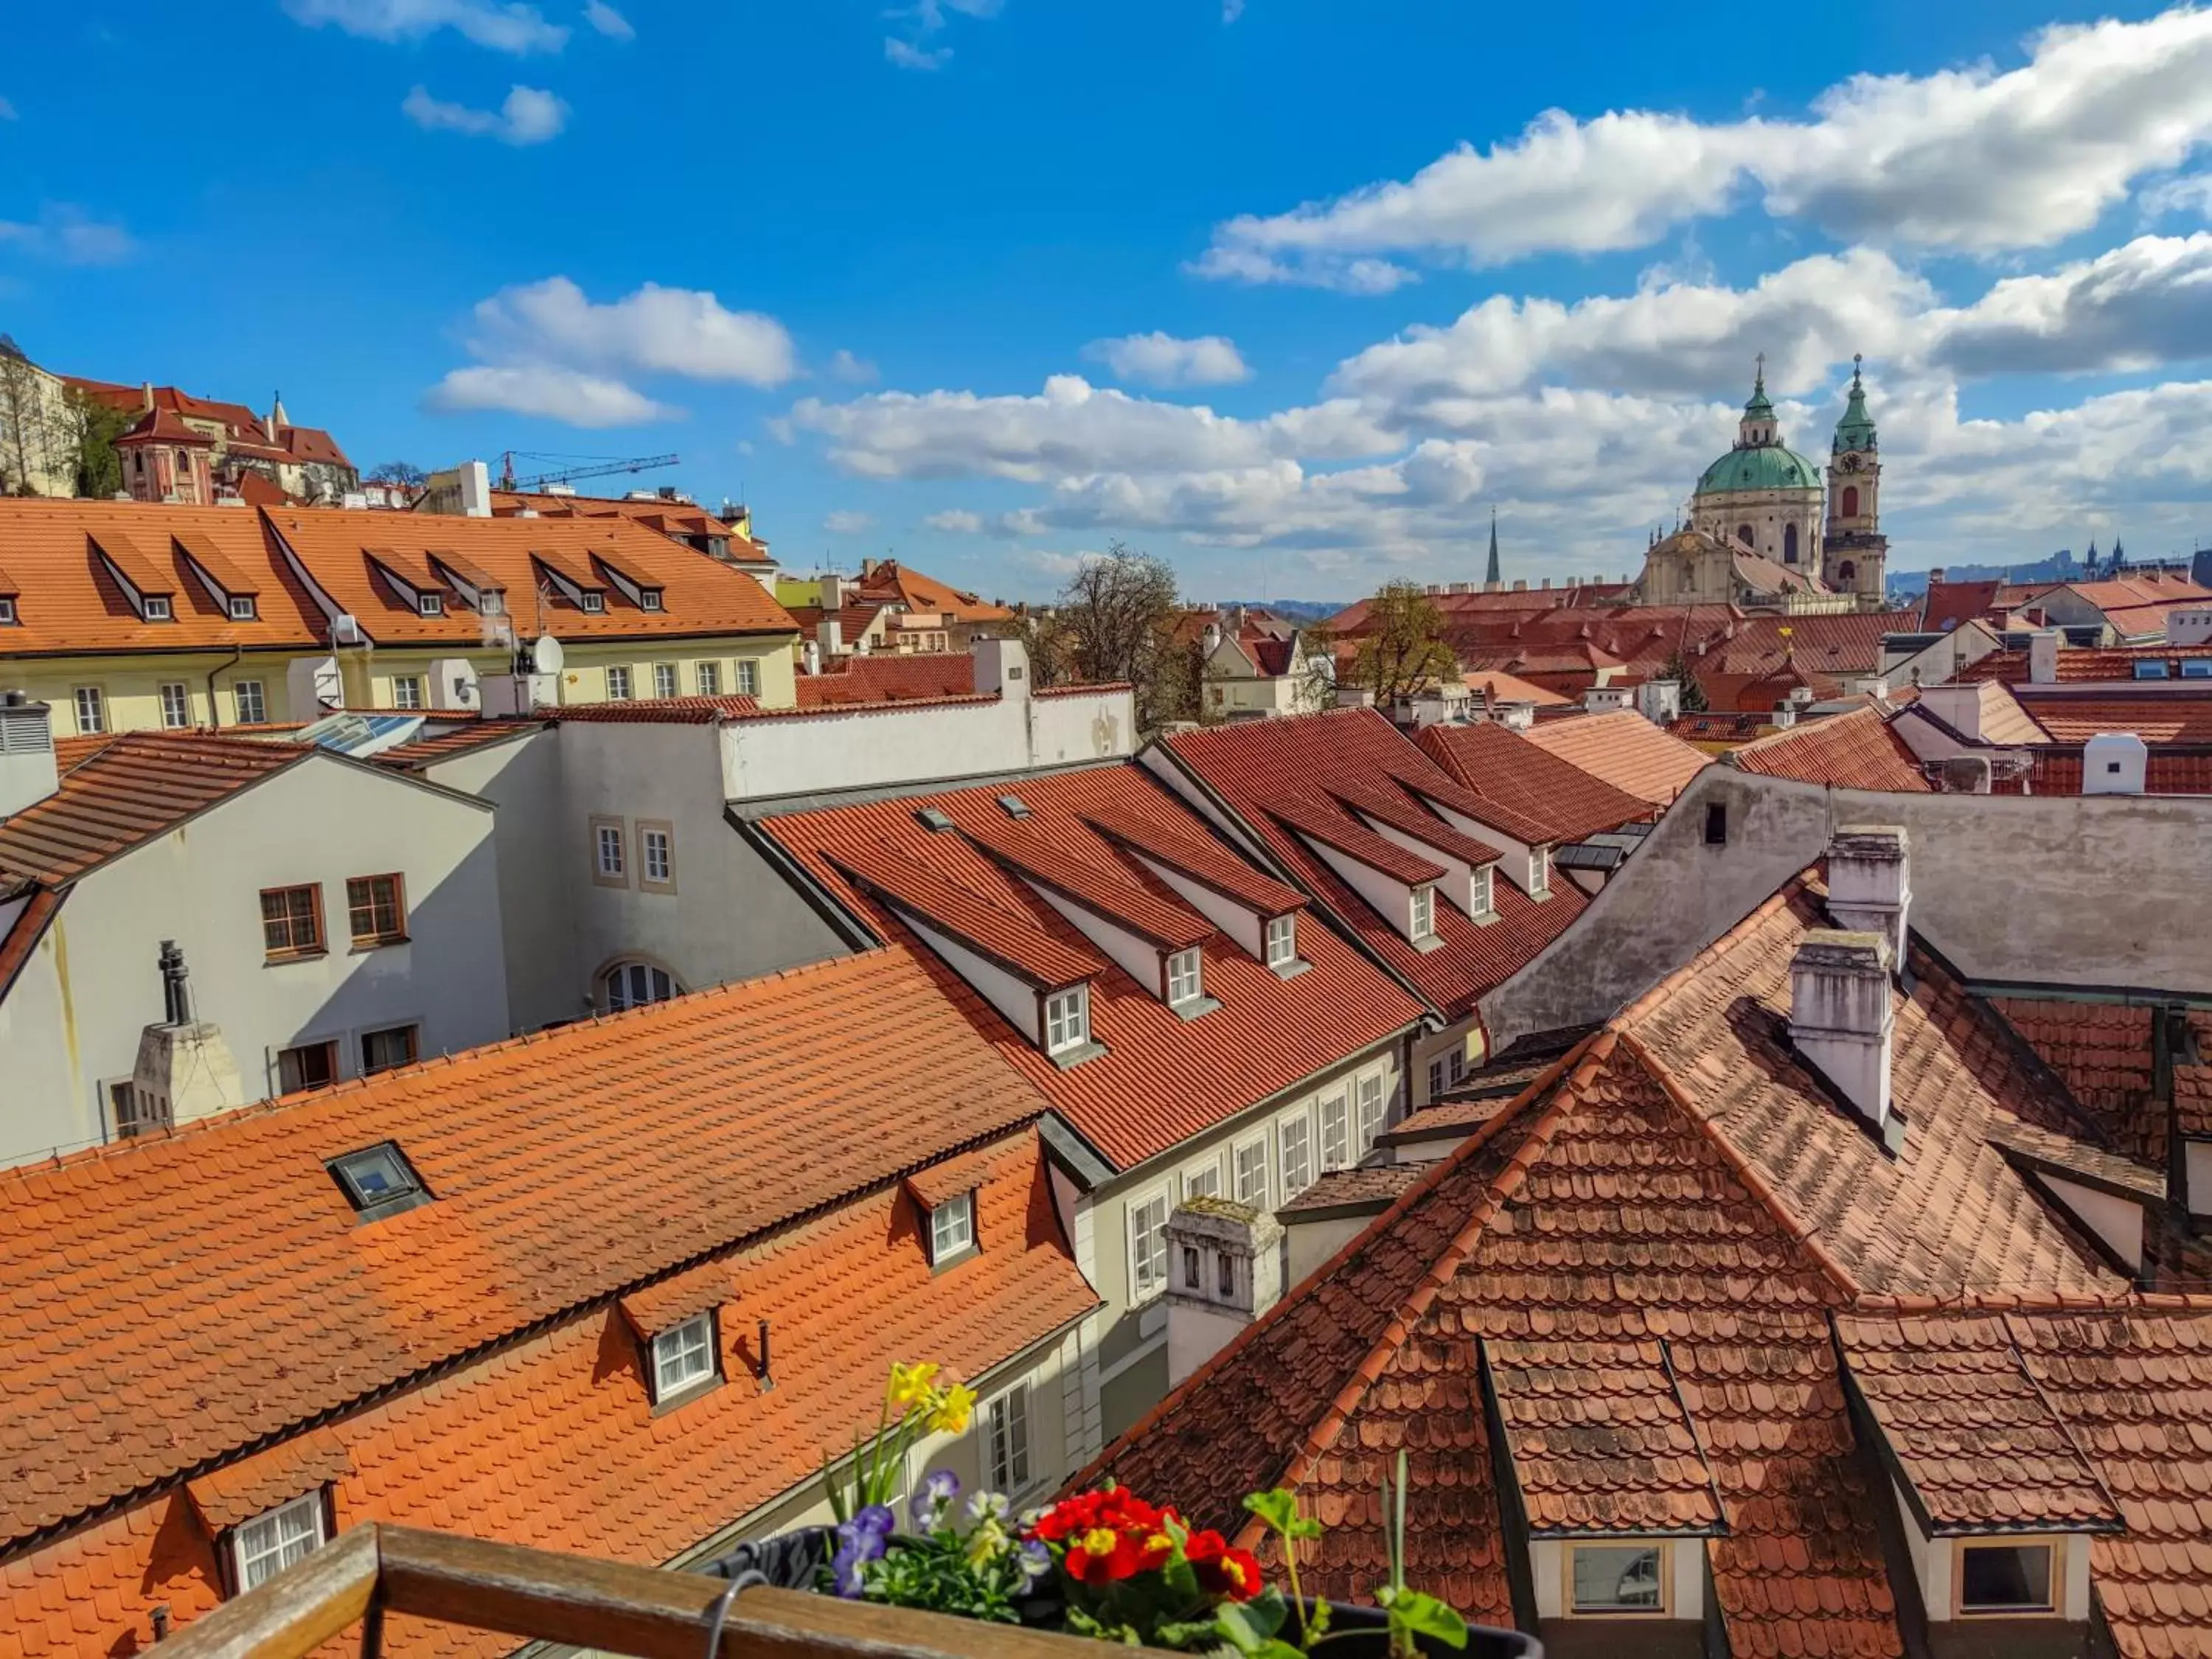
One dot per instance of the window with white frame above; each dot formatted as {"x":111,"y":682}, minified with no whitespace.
{"x":157,"y":607}
{"x":1067,"y":1019}
{"x":594,"y":604}
{"x":91,"y":711}
{"x":1006,"y":1450}
{"x":1183,"y":977}
{"x":1251,"y":1160}
{"x":618,"y":685}
{"x":7,"y":610}
{"x":1539,"y":872}
{"x":748,"y":677}
{"x":1435,"y":1079}
{"x":1371,"y":1111}
{"x":1456,"y":1066}
{"x":664,"y":679}
{"x":1148,"y":1247}
{"x":1295,"y":1135}
{"x":608,"y":862}
{"x":656,"y":855}
{"x":1336,"y":1132}
{"x":635,"y":984}
{"x":430,"y":605}
{"x":1282,"y":941}
{"x":176,"y":705}
{"x":951,"y":1228}
{"x":406,"y":691}
{"x":241,"y":607}
{"x":1616,"y":1578}
{"x":1424,"y":912}
{"x":264,"y":1546}
{"x":253,"y":707}
{"x":709,"y":676}
{"x":1485,"y":898}
{"x":2006,"y":1577}
{"x":1202,"y":1183}
{"x":683,"y":1357}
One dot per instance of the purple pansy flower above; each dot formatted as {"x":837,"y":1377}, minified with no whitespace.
{"x":933,"y":1497}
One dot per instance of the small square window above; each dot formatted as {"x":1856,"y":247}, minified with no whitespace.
{"x":376,"y":910}
{"x":1184,"y":971}
{"x":264,"y":1546}
{"x":491,"y":603}
{"x":1424,"y":912}
{"x":157,"y":607}
{"x":292,"y":921}
{"x":594,"y":603}
{"x":951,"y":1228}
{"x":1616,"y":1578}
{"x":664,"y":679}
{"x":748,"y":677}
{"x":406,"y":691}
{"x":709,"y":674}
{"x":618,"y":685}
{"x":91,"y":711}
{"x":253,"y":707}
{"x":310,"y":1066}
{"x":1067,"y":1019}
{"x":378,"y":1180}
{"x":1202,"y":1183}
{"x":2005,"y":1578}
{"x":1282,"y":941}
{"x":430,"y":605}
{"x":648,"y":598}
{"x":7,"y":610}
{"x":241,"y":607}
{"x":387,"y":1050}
{"x":176,"y":706}
{"x":683,"y":1358}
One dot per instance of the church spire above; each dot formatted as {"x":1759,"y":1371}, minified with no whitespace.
{"x":1757,"y":429}
{"x":1855,"y":430}
{"x":1491,"y":578}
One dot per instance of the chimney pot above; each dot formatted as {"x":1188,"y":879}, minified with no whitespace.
{"x":1840,"y":1017}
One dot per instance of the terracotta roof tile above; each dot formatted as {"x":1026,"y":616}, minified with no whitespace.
{"x":657,"y":711}
{"x":892,"y":582}
{"x":1564,"y":802}
{"x":670,"y":518}
{"x":1264,"y":769}
{"x":1197,"y":856}
{"x":1104,"y":885}
{"x":1001,"y":927}
{"x":2174,"y":716}
{"x":1321,"y":822}
{"x":1162,"y":1078}
{"x":239,"y":1491}
{"x":1624,"y":750}
{"x":2102,"y":1053}
{"x":1852,"y":751}
{"x":2059,"y":772}
{"x":2192,"y":1083}
{"x":888,"y":676}
{"x":1375,"y":1184}
{"x":2080,"y":665}
{"x":240,"y":1296}
{"x":423,"y":752}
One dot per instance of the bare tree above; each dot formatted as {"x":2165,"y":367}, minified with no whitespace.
{"x":1044,"y":635}
{"x":402,"y":472}
{"x":1402,"y":650}
{"x":1118,"y":611}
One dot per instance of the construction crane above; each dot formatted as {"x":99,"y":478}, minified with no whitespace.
{"x":593,"y":467}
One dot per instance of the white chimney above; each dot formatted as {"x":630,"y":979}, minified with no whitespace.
{"x":1225,"y":1270}
{"x":2114,"y":763}
{"x":1871,"y":883}
{"x":1516,"y":716}
{"x":1841,"y":1020}
{"x":1002,"y":666}
{"x":831,"y":633}
{"x":833,"y":592}
{"x":476,"y":489}
{"x":2042,"y":647}
{"x":813,"y":656}
{"x":28,"y":771}
{"x":1660,"y":701}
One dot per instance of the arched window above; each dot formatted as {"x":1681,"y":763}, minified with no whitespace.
{"x":1790,"y":543}
{"x":1850,"y":501}
{"x":1846,"y":571}
{"x":1743,"y":534}
{"x":634,"y":984}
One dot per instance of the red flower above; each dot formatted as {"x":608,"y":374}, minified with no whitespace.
{"x":1222,"y":1570}
{"x":1105,"y":1555}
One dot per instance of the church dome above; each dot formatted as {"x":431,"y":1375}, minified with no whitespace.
{"x":1759,"y":467}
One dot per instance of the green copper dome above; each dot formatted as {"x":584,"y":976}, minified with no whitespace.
{"x":1855,"y":430}
{"x":1760,"y":466}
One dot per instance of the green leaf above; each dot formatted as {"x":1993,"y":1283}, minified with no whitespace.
{"x":1250,"y":1626}
{"x":1278,"y":1507}
{"x":1423,"y":1614}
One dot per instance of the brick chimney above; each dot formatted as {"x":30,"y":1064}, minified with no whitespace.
{"x":1225,"y":1270}
{"x":1841,"y":1021}
{"x":27,"y":772}
{"x":1871,"y":883}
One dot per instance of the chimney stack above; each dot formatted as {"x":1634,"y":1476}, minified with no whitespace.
{"x":1870,"y":883}
{"x":1225,"y":1270}
{"x":1841,"y":1021}
{"x":28,"y":770}
{"x":2042,"y":647}
{"x":184,"y":1069}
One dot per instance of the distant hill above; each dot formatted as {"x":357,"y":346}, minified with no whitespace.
{"x":1303,"y":611}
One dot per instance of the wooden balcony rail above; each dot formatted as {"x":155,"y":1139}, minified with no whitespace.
{"x":538,"y":1596}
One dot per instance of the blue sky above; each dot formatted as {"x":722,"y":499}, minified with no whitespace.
{"x":1294,"y":292}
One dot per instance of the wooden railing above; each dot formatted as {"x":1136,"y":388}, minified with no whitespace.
{"x":537,"y":1595}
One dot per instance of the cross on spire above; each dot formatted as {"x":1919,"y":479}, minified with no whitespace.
{"x":1760,"y":376}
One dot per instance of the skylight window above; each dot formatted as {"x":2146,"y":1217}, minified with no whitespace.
{"x":930,"y":819}
{"x":1013,"y":806}
{"x":378,"y":1181}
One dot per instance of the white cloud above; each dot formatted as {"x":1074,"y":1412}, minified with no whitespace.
{"x":502,"y":26}
{"x":1161,"y":360}
{"x":528,"y":116}
{"x":68,"y":235}
{"x":856,"y":371}
{"x":555,"y":394}
{"x":957,"y":522}
{"x":1969,"y":159}
{"x":2188,"y":195}
{"x":654,"y":330}
{"x":905,"y":55}
{"x":845,"y":522}
{"x":607,"y":22}
{"x":2138,"y":307}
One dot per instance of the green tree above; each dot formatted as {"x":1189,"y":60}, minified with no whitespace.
{"x":24,"y":439}
{"x":91,"y":429}
{"x":1401,"y":645}
{"x":1693,"y":694}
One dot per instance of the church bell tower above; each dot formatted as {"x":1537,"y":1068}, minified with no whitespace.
{"x":1855,"y":553}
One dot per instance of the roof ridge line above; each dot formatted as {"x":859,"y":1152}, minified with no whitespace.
{"x":1759,"y":1187}
{"x":1593,"y":1051}
{"x":2065,"y":1429}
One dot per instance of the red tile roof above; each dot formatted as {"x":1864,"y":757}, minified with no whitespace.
{"x":423,"y":751}
{"x":890,"y":676}
{"x":671,"y":518}
{"x":891,"y":582}
{"x":2059,"y":772}
{"x":126,"y":793}
{"x":1624,"y":750}
{"x":998,"y":926}
{"x":1162,"y":1078}
{"x":1564,"y":801}
{"x":1855,"y":749}
{"x":1190,"y":852}
{"x":1264,"y":770}
{"x":2079,"y":666}
{"x":658,"y":711}
{"x":1946,"y":604}
{"x":2156,"y":717}
{"x":174,"y":1302}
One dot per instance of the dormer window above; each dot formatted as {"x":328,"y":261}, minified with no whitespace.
{"x":7,"y":610}
{"x":156,"y":607}
{"x":649,"y":600}
{"x":1185,"y":972}
{"x":491,"y":603}
{"x":683,"y":1359}
{"x":264,"y":1546}
{"x":1539,"y":872}
{"x":1424,"y":912}
{"x":592,"y":604}
{"x":2006,"y":1576}
{"x":1485,"y":896}
{"x":1282,"y":941}
{"x":1610,"y":1580}
{"x":1067,"y":1019}
{"x":430,"y":605}
{"x":951,"y":1228}
{"x":242,"y":607}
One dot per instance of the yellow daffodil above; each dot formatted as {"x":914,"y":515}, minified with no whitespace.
{"x":912,"y":1384}
{"x":985,"y":1542}
{"x":953,"y":1411}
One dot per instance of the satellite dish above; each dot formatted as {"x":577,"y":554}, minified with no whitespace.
{"x":546,"y":657}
